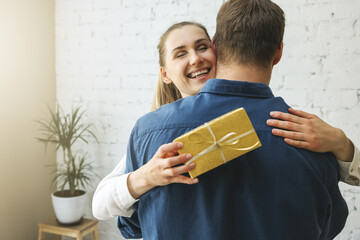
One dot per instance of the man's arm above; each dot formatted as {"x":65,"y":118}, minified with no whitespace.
{"x":129,"y":226}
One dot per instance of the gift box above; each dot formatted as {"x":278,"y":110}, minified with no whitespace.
{"x":219,"y":141}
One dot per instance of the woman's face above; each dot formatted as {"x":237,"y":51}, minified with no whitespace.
{"x":189,"y":59}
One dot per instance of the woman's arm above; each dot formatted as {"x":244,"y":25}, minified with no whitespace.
{"x":304,"y":130}
{"x":112,"y":197}
{"x":117,"y":192}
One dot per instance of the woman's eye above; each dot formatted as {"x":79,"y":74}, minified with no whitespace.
{"x":179,"y":55}
{"x":203,"y":48}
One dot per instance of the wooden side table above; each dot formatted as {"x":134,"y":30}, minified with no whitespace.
{"x":78,"y":231}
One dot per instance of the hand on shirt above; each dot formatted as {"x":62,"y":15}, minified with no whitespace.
{"x":162,"y":169}
{"x":304,"y":130}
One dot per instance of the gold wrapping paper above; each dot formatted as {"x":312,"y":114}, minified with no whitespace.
{"x":219,"y":141}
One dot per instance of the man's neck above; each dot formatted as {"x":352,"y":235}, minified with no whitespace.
{"x":238,"y":72}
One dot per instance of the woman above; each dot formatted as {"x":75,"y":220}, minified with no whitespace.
{"x":187,"y":61}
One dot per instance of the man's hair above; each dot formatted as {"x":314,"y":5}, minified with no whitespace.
{"x":248,"y":32}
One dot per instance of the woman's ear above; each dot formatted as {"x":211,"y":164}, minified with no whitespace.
{"x":165,"y":78}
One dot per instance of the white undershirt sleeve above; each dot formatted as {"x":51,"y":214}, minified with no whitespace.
{"x":112,"y":197}
{"x":349,"y":171}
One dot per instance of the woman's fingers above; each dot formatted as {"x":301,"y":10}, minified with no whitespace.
{"x":173,"y":174}
{"x":286,"y":117}
{"x":169,"y":167}
{"x":175,"y":171}
{"x":175,"y":160}
{"x":168,"y":149}
{"x":185,"y":180}
{"x":305,"y":130}
{"x":300,"y":113}
{"x":288,"y":134}
{"x":183,"y":158}
{"x":283,"y":124}
{"x":296,"y":143}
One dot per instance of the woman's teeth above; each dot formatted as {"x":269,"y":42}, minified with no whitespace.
{"x":195,"y":74}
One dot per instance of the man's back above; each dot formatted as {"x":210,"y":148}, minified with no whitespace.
{"x":273,"y":192}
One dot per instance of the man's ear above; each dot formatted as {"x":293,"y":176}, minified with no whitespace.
{"x":213,"y":45}
{"x":278,"y":53}
{"x":165,"y":78}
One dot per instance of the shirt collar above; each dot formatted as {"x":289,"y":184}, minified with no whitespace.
{"x":241,"y":88}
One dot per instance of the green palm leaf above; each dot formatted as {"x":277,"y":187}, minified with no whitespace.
{"x":63,"y":131}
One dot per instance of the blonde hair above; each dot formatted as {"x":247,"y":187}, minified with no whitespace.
{"x":164,"y":93}
{"x":168,"y":93}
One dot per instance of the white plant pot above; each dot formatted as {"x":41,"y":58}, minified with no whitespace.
{"x":69,"y":210}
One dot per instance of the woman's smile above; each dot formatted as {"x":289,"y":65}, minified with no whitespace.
{"x":190,"y":60}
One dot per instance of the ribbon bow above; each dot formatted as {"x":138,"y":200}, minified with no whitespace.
{"x":219,"y":144}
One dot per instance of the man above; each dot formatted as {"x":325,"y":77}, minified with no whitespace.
{"x":273,"y":192}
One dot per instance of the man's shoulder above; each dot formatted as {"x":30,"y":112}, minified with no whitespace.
{"x":168,"y":116}
{"x":161,"y":113}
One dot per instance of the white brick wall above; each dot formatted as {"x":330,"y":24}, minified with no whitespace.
{"x":106,"y":59}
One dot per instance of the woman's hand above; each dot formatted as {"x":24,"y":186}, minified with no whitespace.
{"x":162,"y":169}
{"x":304,"y":130}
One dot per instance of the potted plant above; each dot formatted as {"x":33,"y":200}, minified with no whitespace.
{"x":73,"y":172}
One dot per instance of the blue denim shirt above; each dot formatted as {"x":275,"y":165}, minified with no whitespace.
{"x":274,"y":192}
